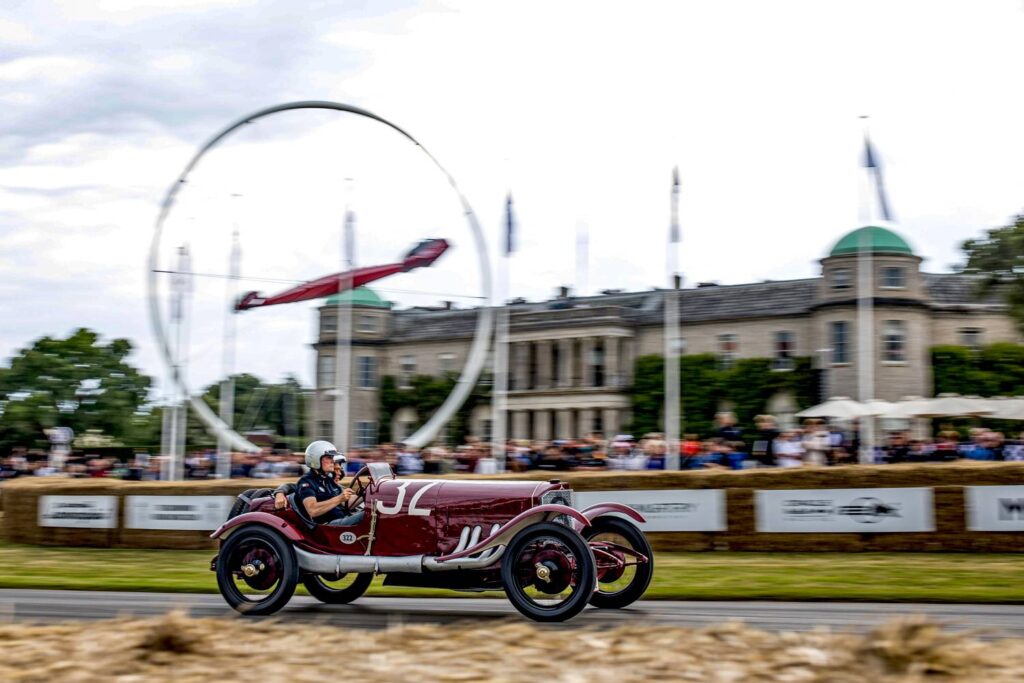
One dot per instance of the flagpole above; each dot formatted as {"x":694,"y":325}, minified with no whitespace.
{"x":343,"y":340}
{"x":672,"y":409}
{"x":499,"y":406}
{"x":865,"y":300}
{"x":227,"y":385}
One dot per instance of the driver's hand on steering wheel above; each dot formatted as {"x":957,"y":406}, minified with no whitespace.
{"x":347,"y":494}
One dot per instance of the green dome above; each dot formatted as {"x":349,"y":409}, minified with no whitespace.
{"x":360,"y":296}
{"x":880,"y":240}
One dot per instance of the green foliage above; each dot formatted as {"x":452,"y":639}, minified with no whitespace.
{"x":279,"y":408}
{"x":425,"y":395}
{"x":999,"y":259}
{"x":748,"y":385}
{"x":75,"y":382}
{"x":993,"y":370}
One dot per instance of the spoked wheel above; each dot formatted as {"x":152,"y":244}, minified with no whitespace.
{"x":548,"y":572}
{"x":622,"y":576}
{"x":256,"y":571}
{"x":337,"y":590}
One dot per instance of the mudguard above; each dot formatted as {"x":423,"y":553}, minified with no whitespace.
{"x":595,"y":511}
{"x":262,"y":518}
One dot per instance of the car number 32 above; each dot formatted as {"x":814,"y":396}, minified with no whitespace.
{"x":413,"y":510}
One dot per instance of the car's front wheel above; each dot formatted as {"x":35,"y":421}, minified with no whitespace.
{"x":337,"y":590}
{"x":548,"y":572}
{"x":257,"y":571}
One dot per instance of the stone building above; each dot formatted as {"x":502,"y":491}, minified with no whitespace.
{"x":571,"y":358}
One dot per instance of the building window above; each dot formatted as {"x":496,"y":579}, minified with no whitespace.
{"x":596,"y":370}
{"x":894,"y":277}
{"x":841,"y":278}
{"x":366,"y":323}
{"x":727,"y":345}
{"x":971,"y":337}
{"x":366,"y":434}
{"x":406,"y":370}
{"x":325,"y":430}
{"x":446,"y":362}
{"x":894,"y":341}
{"x":330,"y":324}
{"x":325,"y":371}
{"x":367,"y":372}
{"x":485,"y":431}
{"x":783,"y":359}
{"x":840,"y":335}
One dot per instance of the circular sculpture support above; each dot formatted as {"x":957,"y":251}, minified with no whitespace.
{"x":485,"y":320}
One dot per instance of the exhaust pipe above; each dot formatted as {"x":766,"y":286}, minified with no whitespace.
{"x":408,"y":564}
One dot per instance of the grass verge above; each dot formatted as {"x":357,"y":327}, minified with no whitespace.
{"x":910,"y":577}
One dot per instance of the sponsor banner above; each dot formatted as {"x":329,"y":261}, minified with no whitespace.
{"x":666,"y":510}
{"x":994,"y":508}
{"x":177,"y":513}
{"x":78,"y":512}
{"x":845,"y":510}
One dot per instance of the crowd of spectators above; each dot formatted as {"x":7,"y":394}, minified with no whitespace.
{"x":814,"y":444}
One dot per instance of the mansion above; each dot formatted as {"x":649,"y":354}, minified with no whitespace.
{"x":571,"y":358}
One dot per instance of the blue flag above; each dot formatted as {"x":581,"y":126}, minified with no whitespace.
{"x":509,"y":226}
{"x":871,"y":163}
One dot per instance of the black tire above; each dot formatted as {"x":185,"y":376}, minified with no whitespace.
{"x":641,"y":579}
{"x":280,"y":579}
{"x":515,"y":573}
{"x":323,"y":592}
{"x":245,"y":498}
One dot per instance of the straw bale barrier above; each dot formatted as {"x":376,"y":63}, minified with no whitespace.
{"x":186,"y":650}
{"x":21,"y":503}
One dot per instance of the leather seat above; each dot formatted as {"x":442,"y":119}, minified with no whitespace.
{"x":300,"y":510}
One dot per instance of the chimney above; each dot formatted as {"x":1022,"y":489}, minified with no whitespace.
{"x":563,"y":292}
{"x":447,"y":305}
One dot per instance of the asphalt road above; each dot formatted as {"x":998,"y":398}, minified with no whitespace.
{"x":52,"y":606}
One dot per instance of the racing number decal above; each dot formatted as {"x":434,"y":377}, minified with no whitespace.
{"x":397,"y":507}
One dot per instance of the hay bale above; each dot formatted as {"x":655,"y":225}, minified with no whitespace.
{"x":185,"y":650}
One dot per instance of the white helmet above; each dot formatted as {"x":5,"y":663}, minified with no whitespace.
{"x":317,"y":450}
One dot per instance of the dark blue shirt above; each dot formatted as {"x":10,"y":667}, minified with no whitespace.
{"x":315,"y":485}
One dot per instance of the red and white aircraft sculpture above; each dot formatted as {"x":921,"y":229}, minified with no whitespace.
{"x":424,"y":254}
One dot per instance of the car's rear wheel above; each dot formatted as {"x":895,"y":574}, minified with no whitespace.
{"x":548,"y":572}
{"x":621,"y":577}
{"x":337,"y":590}
{"x":257,"y":571}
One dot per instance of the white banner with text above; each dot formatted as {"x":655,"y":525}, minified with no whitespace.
{"x":78,"y":512}
{"x":667,"y":510}
{"x":844,"y":510}
{"x":176,"y":513}
{"x":994,"y":508}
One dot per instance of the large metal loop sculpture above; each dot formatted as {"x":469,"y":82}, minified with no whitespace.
{"x":481,"y":340}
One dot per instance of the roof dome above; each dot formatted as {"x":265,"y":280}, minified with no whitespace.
{"x":360,"y":296}
{"x":879,"y":240}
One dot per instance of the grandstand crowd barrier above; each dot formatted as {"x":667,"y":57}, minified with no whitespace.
{"x":965,"y":507}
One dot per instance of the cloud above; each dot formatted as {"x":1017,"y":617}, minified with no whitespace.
{"x":580,"y":108}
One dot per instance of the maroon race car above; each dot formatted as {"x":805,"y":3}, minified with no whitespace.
{"x":521,"y":537}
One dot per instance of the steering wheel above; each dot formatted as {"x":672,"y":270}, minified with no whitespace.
{"x":358,"y":485}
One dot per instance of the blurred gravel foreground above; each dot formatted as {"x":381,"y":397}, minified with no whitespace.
{"x":177,"y":648}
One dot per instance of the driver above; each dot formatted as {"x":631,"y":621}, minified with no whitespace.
{"x":319,"y":492}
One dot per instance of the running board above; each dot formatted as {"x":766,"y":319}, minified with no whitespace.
{"x":412,"y":564}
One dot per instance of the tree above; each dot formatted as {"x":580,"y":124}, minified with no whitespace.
{"x":279,"y":408}
{"x":704,"y":385}
{"x":998,"y":258}
{"x":76,"y":382}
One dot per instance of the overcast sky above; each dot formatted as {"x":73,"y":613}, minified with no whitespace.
{"x":581,"y":108}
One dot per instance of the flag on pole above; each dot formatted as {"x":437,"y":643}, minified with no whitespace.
{"x":673,"y":235}
{"x":871,"y":162}
{"x":350,"y":237}
{"x":510,"y":245}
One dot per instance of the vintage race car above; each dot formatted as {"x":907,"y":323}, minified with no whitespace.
{"x":521,"y":537}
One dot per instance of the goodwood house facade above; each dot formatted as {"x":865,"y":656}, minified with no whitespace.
{"x":571,"y":358}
